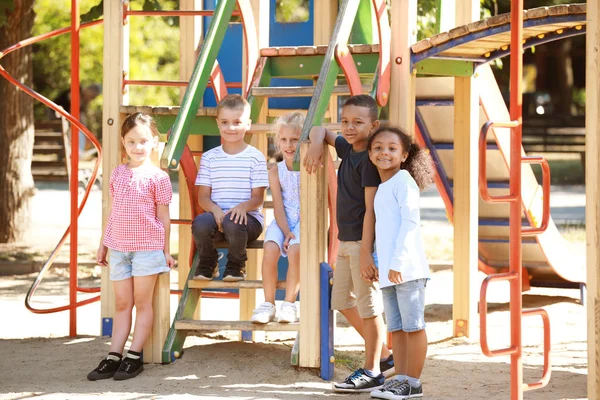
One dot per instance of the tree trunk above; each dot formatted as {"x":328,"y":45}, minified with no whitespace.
{"x":16,"y":128}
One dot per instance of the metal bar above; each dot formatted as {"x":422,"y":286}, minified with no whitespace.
{"x":545,"y":196}
{"x":510,"y":277}
{"x":74,"y":178}
{"x":515,"y":255}
{"x":327,"y":360}
{"x":135,"y":82}
{"x":174,"y":13}
{"x":512,"y":197}
{"x":547,"y":371}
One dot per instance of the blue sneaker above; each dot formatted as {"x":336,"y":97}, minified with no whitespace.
{"x":358,"y":382}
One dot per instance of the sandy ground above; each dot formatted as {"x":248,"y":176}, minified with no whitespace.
{"x":38,"y":360}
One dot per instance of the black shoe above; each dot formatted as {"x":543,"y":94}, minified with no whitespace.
{"x":387,"y":365}
{"x":129,"y":368}
{"x":398,"y":390}
{"x":105,"y":370}
{"x":359,"y":382}
{"x":234,"y":274}
{"x":207,"y":274}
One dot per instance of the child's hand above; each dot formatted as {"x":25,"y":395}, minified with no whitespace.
{"x":238,"y":214}
{"x":170,"y":260}
{"x":101,"y":255}
{"x":368,"y":270}
{"x":395,"y":276}
{"x":219,"y":215}
{"x":286,"y":243}
{"x":314,"y":157}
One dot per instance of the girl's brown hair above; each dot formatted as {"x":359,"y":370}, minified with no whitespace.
{"x":418,"y":162}
{"x":136,"y":119}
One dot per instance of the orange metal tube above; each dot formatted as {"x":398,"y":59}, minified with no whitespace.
{"x":485,"y":349}
{"x":515,"y":256}
{"x":136,"y":82}
{"x":81,"y":127}
{"x":74,"y":178}
{"x":547,"y":371}
{"x":174,"y":13}
{"x":545,"y":196}
{"x":483,"y":186}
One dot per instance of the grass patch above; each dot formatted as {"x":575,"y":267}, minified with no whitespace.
{"x":352,"y":360}
{"x":19,"y":256}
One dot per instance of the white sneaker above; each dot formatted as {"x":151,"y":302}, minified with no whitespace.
{"x":288,"y":313}
{"x":265,"y":313}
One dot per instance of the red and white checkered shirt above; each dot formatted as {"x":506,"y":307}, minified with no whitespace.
{"x":133,"y":224}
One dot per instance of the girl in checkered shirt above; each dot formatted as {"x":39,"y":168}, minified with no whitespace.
{"x":137,"y":235}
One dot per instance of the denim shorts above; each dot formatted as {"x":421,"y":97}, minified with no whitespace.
{"x":404,"y":306}
{"x":125,"y":264}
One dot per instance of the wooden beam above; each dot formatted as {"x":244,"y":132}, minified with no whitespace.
{"x":592,"y":188}
{"x":313,"y":249}
{"x":190,"y":35}
{"x":249,"y":299}
{"x":116,"y":60}
{"x":466,"y":194}
{"x":403,"y":80}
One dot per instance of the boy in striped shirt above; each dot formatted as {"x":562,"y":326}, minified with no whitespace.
{"x":231,"y":185}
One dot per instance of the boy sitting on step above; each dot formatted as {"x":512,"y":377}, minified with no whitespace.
{"x":231,"y":186}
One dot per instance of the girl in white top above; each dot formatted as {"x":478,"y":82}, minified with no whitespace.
{"x":283,"y":234}
{"x":403,"y":268}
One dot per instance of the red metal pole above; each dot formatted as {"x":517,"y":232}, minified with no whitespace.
{"x":515,"y":257}
{"x":73,"y":182}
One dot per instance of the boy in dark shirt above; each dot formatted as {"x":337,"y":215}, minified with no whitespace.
{"x":355,"y":291}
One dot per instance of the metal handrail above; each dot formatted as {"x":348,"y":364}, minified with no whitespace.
{"x":483,"y":186}
{"x":88,"y":134}
{"x":545,"y":196}
{"x":547,"y":370}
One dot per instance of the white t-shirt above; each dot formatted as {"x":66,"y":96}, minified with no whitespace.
{"x":232,"y":177}
{"x":398,"y":240}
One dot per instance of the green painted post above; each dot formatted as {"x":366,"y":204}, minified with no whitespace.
{"x":362,"y":29}
{"x":198,"y":82}
{"x":329,"y":71}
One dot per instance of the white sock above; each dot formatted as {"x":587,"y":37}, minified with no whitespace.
{"x":414,"y":382}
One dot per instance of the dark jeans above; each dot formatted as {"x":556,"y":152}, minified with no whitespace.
{"x":205,"y":233}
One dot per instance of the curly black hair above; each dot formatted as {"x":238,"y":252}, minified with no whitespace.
{"x":418,"y":163}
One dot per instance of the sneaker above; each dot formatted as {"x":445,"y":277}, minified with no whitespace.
{"x":234,"y":274}
{"x":396,"y":389}
{"x":129,"y":368}
{"x":207,"y":274}
{"x":105,"y":370}
{"x":386,"y":366}
{"x":264,"y":314}
{"x":359,"y":382}
{"x":288,"y":314}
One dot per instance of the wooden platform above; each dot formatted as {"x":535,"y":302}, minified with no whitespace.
{"x":315,"y":50}
{"x":490,"y":38}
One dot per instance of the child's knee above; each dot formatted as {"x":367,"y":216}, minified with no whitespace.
{"x":232,"y":229}
{"x":123,"y":304}
{"x":271,"y":248}
{"x":204,"y":224}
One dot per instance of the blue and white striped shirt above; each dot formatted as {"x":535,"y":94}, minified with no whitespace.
{"x":232,"y":177}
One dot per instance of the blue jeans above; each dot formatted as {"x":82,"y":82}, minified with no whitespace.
{"x":404,"y":306}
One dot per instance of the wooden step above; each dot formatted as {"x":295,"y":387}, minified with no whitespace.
{"x":248,"y":284}
{"x":48,"y":164}
{"x":48,"y":137}
{"x":51,"y":124}
{"x":194,"y":325}
{"x":48,"y":149}
{"x":288,"y":51}
{"x":300,"y":91}
{"x":165,"y":110}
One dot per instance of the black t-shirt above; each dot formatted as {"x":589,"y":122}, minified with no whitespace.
{"x":354,"y":174}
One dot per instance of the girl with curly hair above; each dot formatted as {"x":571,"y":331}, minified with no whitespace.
{"x":403,"y":268}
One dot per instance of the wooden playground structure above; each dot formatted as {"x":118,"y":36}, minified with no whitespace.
{"x":502,"y":224}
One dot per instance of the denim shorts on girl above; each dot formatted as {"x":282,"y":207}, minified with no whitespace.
{"x":404,"y":306}
{"x":125,"y":264}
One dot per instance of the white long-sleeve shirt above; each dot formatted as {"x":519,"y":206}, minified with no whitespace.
{"x":398,"y":230}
